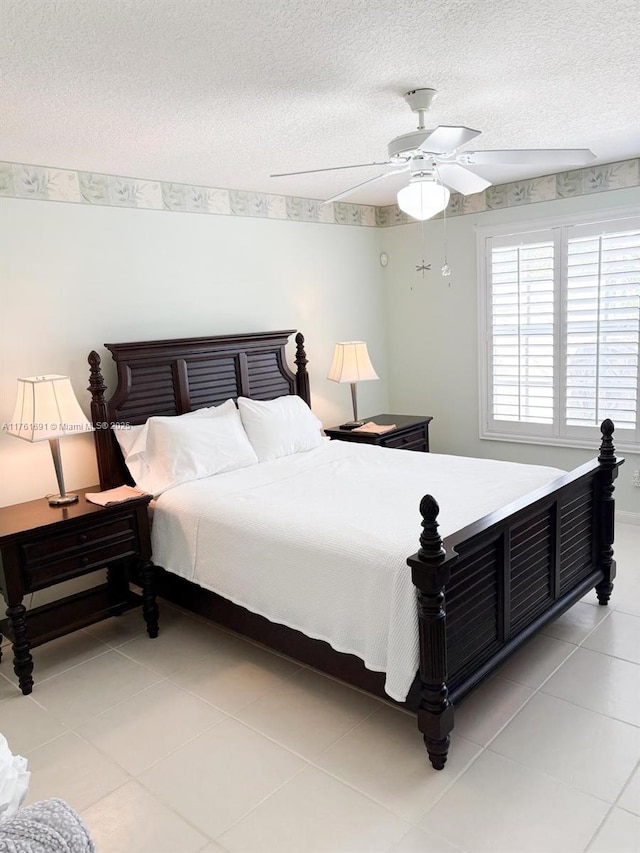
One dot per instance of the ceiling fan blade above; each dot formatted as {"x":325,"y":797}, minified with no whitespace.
{"x":533,"y":156}
{"x":460,"y":179}
{"x":330,"y":169}
{"x":351,"y":190}
{"x":445,"y":139}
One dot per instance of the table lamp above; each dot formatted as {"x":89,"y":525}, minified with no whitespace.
{"x":47,"y":409}
{"x":351,"y":363}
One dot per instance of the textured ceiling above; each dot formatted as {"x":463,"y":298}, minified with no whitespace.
{"x":224,"y":92}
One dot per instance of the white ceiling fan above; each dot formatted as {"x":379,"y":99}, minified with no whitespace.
{"x":435,"y":165}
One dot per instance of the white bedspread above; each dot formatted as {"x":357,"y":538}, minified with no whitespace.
{"x":319,"y":541}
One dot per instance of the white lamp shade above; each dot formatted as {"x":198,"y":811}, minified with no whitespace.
{"x":47,"y":408}
{"x":423,"y":198}
{"x":351,"y":363}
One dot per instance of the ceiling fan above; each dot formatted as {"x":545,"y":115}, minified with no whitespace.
{"x":435,"y":165}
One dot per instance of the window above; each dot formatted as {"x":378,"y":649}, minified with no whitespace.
{"x":560,"y":331}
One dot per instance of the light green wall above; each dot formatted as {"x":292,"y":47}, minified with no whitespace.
{"x":75,"y":276}
{"x":432,"y":333}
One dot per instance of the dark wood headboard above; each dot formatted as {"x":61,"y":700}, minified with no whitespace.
{"x":178,"y":376}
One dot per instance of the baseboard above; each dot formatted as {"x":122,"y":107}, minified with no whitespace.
{"x":623,"y":517}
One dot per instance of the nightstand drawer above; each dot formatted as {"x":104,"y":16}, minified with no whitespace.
{"x":54,"y":546}
{"x":90,"y":547}
{"x":414,"y":440}
{"x":77,"y":561}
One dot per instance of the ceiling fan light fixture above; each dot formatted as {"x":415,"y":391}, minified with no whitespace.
{"x":423,"y":198}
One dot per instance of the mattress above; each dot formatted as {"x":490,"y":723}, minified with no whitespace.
{"x":318,"y":541}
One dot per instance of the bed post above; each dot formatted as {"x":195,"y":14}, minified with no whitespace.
{"x":430,"y":572}
{"x":99,"y":415}
{"x":605,"y":512}
{"x":302,"y":377}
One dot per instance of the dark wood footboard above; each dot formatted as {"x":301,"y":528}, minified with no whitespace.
{"x":484,"y":590}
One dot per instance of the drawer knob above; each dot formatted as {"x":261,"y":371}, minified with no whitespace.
{"x":82,"y":537}
{"x":84,"y":561}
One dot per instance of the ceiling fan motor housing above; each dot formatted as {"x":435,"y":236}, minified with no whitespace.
{"x":402,"y":147}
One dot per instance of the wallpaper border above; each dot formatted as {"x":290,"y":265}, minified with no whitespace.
{"x":44,"y":183}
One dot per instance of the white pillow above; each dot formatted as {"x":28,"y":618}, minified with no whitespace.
{"x":179,"y":450}
{"x":127,"y":437}
{"x":133,"y":439}
{"x":279,"y":427}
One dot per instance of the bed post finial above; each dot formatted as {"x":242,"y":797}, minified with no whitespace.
{"x":302,"y":377}
{"x":430,"y":572}
{"x":96,"y":380}
{"x":606,"y":511}
{"x":430,"y":539}
{"x":607,"y":450}
{"x":99,"y":417}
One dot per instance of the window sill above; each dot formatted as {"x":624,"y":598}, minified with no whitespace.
{"x":555,"y":441}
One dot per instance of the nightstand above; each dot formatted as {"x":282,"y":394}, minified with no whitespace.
{"x":41,"y":546}
{"x":411,"y":432}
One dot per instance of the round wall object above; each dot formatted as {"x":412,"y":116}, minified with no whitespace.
{"x":384,"y":259}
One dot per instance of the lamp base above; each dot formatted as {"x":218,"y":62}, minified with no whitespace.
{"x":352,"y":425}
{"x":62,"y":500}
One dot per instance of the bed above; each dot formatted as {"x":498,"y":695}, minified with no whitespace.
{"x":479,"y":591}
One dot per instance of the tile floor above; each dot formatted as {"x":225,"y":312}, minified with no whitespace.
{"x":200,"y":742}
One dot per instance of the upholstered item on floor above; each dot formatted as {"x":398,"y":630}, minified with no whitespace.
{"x":14,"y":780}
{"x":49,"y":826}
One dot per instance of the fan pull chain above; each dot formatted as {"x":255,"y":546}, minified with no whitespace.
{"x":446,"y":269}
{"x":423,"y":267}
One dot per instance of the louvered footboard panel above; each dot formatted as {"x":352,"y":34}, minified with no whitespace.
{"x":472,"y":597}
{"x":503,"y":583}
{"x":531,"y":566}
{"x":577,"y":525}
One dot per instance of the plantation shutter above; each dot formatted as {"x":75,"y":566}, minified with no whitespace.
{"x":560,"y":306}
{"x":521,"y":320}
{"x":602,"y":330}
